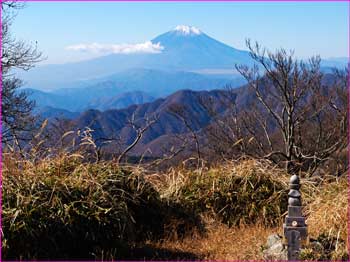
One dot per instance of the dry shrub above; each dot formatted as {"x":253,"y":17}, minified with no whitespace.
{"x":60,"y":201}
{"x":243,"y":192}
{"x":49,"y":212}
{"x":325,"y":201}
{"x":64,"y":208}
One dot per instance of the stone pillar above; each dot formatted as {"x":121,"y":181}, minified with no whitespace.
{"x":295,"y":229}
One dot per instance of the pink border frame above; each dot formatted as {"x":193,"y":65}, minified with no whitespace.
{"x":348,"y":208}
{"x":183,"y":0}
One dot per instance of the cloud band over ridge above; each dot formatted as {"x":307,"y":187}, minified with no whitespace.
{"x":141,"y":48}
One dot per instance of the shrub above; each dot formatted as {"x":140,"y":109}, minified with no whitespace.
{"x":62,"y":208}
{"x":246,"y":192}
{"x":54,"y":213}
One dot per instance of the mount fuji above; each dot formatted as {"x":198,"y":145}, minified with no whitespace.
{"x":187,"y":48}
{"x":184,"y":48}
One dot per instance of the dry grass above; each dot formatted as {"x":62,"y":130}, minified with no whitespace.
{"x":325,"y":206}
{"x":328,"y":216}
{"x":223,"y":243}
{"x":63,"y":207}
{"x":327,"y":213}
{"x":53,"y":205}
{"x":243,"y":192}
{"x":238,"y":203}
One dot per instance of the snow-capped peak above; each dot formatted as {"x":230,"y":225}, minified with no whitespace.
{"x":187,"y":30}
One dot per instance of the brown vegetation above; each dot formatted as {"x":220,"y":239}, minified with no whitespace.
{"x":118,"y":212}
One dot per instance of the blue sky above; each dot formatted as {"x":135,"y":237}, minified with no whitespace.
{"x":309,"y":28}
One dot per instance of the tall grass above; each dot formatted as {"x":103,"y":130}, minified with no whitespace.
{"x":327,"y":219}
{"x":245,"y":192}
{"x":64,"y":208}
{"x":68,"y":205}
{"x":61,"y":210}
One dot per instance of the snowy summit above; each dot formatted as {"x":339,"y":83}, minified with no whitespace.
{"x":187,"y":30}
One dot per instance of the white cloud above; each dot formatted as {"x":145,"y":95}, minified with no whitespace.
{"x":142,"y":48}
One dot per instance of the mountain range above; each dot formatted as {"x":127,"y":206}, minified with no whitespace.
{"x":188,"y":60}
{"x":115,"y":123}
{"x":177,"y":117}
{"x":125,"y":88}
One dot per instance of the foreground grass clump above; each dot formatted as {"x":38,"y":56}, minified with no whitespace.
{"x":63,"y":208}
{"x":245,"y":192}
{"x":327,"y":220}
{"x":53,"y":212}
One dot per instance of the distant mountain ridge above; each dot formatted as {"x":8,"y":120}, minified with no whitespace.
{"x":123,"y":89}
{"x":48,"y":112}
{"x":185,"y":48}
{"x":122,"y":100}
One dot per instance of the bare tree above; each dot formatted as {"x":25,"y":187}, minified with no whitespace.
{"x":223,"y":136}
{"x":140,"y":130}
{"x":297,"y":120}
{"x":17,"y":119}
{"x":171,"y":156}
{"x":180,"y":112}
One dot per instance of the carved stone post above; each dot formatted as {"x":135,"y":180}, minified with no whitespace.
{"x":295,"y":229}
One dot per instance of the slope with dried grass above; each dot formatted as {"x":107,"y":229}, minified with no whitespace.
{"x":63,"y":206}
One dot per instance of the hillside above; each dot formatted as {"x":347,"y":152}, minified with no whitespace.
{"x":114,"y":123}
{"x":177,"y":117}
